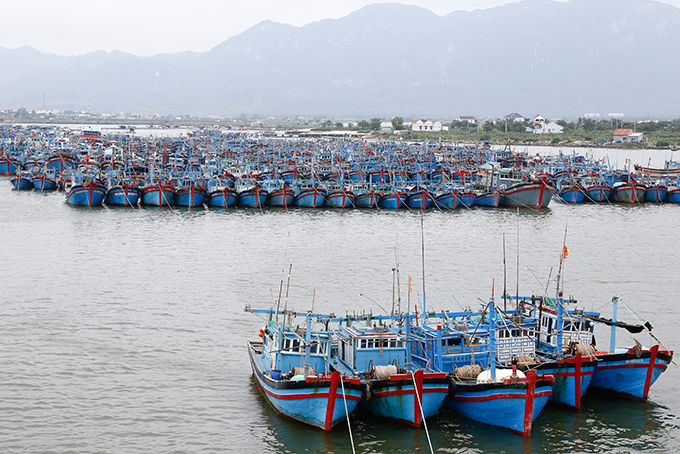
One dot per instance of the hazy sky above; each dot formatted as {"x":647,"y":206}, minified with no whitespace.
{"x":148,"y":27}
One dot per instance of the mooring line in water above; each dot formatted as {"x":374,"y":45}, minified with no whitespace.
{"x":422,"y":412}
{"x":344,"y":399}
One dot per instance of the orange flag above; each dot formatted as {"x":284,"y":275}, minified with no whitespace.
{"x":565,"y":252}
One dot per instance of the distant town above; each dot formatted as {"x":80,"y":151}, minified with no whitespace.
{"x":591,"y":129}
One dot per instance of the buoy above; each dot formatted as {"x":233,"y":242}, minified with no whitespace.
{"x":261,"y":332}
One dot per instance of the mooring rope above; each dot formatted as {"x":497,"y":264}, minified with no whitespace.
{"x":422,"y":413}
{"x":342,"y":384}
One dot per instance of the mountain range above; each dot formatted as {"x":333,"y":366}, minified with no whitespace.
{"x":384,"y":60}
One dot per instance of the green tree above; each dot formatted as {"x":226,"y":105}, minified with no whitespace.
{"x":375,"y":124}
{"x":363,"y":124}
{"x":339,"y":125}
{"x":398,"y":123}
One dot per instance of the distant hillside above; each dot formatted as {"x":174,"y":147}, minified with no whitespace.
{"x":535,"y":56}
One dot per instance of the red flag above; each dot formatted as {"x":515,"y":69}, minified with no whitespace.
{"x":565,"y":252}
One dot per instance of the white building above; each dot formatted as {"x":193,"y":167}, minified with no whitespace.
{"x":548,"y":128}
{"x":627,"y":136}
{"x":426,"y":125}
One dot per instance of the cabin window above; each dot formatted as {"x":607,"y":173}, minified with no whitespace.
{"x":515,"y":333}
{"x":296,"y":345}
{"x":363,"y":343}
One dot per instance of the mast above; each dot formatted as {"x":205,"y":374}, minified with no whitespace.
{"x":612,"y":339}
{"x":559,"y":298}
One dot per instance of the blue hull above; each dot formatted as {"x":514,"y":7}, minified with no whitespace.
{"x":254,"y":197}
{"x":513,"y":406}
{"x":488,"y":199}
{"x":22,"y":183}
{"x":448,"y":200}
{"x":43,"y":183}
{"x":88,"y":195}
{"x":318,"y":402}
{"x":391,"y":201}
{"x":527,"y":195}
{"x":673,"y":196}
{"x":627,"y":193}
{"x":572,"y":378}
{"x":122,"y":196}
{"x":281,"y":198}
{"x":419,"y":200}
{"x":629,"y":374}
{"x":222,"y":198}
{"x":190,"y":197}
{"x":340,"y":199}
{"x":9,"y":166}
{"x":158,"y":195}
{"x":467,"y":199}
{"x":599,"y":192}
{"x":367,"y":199}
{"x":573,"y":195}
{"x":395,"y":397}
{"x":655,"y":194}
{"x":310,"y":198}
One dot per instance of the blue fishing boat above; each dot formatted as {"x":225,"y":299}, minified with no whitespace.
{"x":61,"y":163}
{"x":158,"y":194}
{"x":250,"y":194}
{"x":467,"y":197}
{"x":392,"y":200}
{"x":631,"y":192}
{"x":281,"y":197}
{"x":124,"y":194}
{"x":656,"y":193}
{"x":9,"y":165}
{"x":598,"y":192}
{"x":628,"y":371}
{"x":365,"y":196}
{"x":45,"y":181}
{"x":339,"y":197}
{"x":488,"y":199}
{"x":394,"y":390}
{"x":190,"y":195}
{"x":378,"y":176}
{"x":501,"y":397}
{"x":419,"y":199}
{"x":527,"y":195}
{"x":22,"y":181}
{"x":571,"y":192}
{"x":448,"y":199}
{"x":673,"y":195}
{"x":88,"y":194}
{"x":309,"y":196}
{"x":505,"y":398}
{"x":289,"y":366}
{"x":222,"y":197}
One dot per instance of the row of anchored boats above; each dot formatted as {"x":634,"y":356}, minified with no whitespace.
{"x":221,"y":170}
{"x":498,"y":365}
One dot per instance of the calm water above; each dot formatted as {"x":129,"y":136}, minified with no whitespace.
{"x":123,"y":331}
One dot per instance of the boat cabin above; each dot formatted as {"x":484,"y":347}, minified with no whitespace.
{"x":363,"y":348}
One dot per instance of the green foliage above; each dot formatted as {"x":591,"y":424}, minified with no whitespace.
{"x":375,"y":124}
{"x":363,"y":124}
{"x":398,"y":123}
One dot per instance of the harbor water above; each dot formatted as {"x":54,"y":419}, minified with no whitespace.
{"x":123,"y":331}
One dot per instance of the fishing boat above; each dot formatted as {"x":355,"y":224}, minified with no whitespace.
{"x":123,"y":194}
{"x":598,"y":192}
{"x":571,"y":192}
{"x":633,"y":370}
{"x":392,"y":200}
{"x":22,"y":181}
{"x":190,"y":195}
{"x":45,"y":181}
{"x":447,"y":199}
{"x":500,"y":397}
{"x":289,"y":366}
{"x":365,"y":196}
{"x":158,"y":194}
{"x":9,"y":165}
{"x":673,"y":195}
{"x":488,"y":199}
{"x":309,"y":195}
{"x":279,"y":194}
{"x":250,"y":194}
{"x":222,"y":197}
{"x":631,"y":192}
{"x":655,"y":193}
{"x":467,"y":197}
{"x":419,"y":199}
{"x":394,"y":390}
{"x":339,"y":197}
{"x":526,"y":195}
{"x":87,"y":194}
